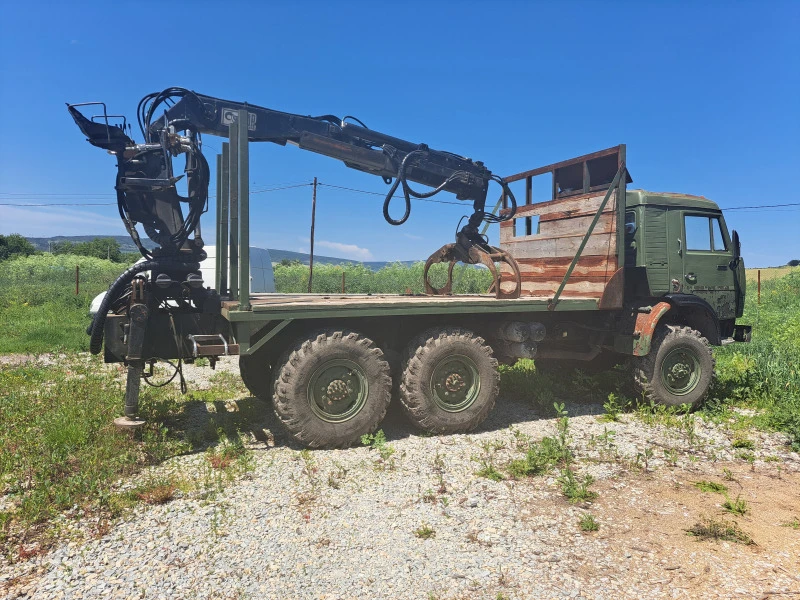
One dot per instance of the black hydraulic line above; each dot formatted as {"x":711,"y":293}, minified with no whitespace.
{"x":97,"y":326}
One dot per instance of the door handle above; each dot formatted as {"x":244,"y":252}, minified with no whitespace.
{"x":680,"y":248}
{"x":722,"y":267}
{"x":691,"y":278}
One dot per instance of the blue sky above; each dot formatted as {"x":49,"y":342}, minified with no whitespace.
{"x":705,"y":95}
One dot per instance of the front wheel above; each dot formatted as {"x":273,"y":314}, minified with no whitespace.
{"x":679,"y":368}
{"x":450,"y":380}
{"x":332,"y":388}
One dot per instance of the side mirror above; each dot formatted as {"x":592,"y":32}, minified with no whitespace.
{"x":737,"y":250}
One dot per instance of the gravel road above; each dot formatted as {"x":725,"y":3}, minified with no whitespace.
{"x":421,"y":524}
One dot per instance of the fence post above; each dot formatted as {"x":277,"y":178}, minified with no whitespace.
{"x":343,"y":281}
{"x":759,"y":287}
{"x":77,"y":279}
{"x":313,"y":218}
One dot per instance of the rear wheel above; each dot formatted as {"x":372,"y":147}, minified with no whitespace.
{"x":679,"y":368}
{"x":332,"y":388}
{"x":450,"y":380}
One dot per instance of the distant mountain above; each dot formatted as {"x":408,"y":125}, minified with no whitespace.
{"x":127,"y":245}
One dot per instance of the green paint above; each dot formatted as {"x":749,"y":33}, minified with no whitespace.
{"x":455,"y":383}
{"x":681,"y":371}
{"x":337,"y":390}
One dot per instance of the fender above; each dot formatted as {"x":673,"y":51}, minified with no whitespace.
{"x":646,"y":323}
{"x":710,"y":325}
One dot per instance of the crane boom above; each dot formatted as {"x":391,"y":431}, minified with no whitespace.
{"x":146,"y":183}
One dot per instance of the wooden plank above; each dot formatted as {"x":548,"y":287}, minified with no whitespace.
{"x":560,"y":247}
{"x":562,"y":164}
{"x":578,"y":204}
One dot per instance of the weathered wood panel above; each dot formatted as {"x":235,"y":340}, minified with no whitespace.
{"x":544,"y":257}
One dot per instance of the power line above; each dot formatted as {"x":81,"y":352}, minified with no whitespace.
{"x":383,"y":195}
{"x":762,"y":206}
{"x":62,"y":204}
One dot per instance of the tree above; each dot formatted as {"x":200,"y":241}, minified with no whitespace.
{"x":98,"y":247}
{"x":14,"y":245}
{"x":794,"y":263}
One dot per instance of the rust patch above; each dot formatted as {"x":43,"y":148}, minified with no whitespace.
{"x":614,"y":293}
{"x":646,"y":324}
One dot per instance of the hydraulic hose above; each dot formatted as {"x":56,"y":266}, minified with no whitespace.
{"x":97,"y":327}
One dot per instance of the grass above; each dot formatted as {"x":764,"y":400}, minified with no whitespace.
{"x":394,"y":278}
{"x":711,"y":486}
{"x":736,"y":507}
{"x":61,"y":455}
{"x":377,"y":441}
{"x":489,"y":471}
{"x":575,"y":489}
{"x":588,"y":523}
{"x":39,"y":309}
{"x":425,"y":532}
{"x":720,"y":530}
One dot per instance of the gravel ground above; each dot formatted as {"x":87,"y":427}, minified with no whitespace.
{"x":349,"y":524}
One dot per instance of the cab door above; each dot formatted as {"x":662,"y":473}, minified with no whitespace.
{"x":707,"y":254}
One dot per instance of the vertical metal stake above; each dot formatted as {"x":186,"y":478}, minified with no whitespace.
{"x":233,"y":132}
{"x":78,"y":272}
{"x":759,"y":287}
{"x":343,"y":281}
{"x":217,"y":264}
{"x":222,"y":251}
{"x":244,"y":212}
{"x":313,"y":218}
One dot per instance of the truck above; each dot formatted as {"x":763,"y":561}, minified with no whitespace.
{"x":591,"y":275}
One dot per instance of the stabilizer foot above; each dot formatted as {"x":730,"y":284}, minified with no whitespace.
{"x":128,"y":424}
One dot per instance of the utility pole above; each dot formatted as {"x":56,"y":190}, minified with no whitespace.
{"x":313,"y":217}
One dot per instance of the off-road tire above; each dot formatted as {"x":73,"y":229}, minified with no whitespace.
{"x":256,"y":373}
{"x":651,"y":375}
{"x":473,"y":373}
{"x":316,"y":356}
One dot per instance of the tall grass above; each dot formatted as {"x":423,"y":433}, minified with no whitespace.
{"x":392,"y":279}
{"x":765,"y":374}
{"x":39,"y":309}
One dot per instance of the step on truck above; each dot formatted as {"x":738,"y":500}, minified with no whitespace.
{"x":591,"y":275}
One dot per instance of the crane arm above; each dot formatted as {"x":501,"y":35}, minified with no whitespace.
{"x":146,"y":184}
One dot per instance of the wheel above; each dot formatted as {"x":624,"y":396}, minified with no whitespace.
{"x":256,"y":373}
{"x":679,"y":368}
{"x":332,"y":388}
{"x":450,"y":380}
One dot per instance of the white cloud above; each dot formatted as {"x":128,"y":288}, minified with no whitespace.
{"x":411,"y":236}
{"x":346,"y":250}
{"x":50,"y":221}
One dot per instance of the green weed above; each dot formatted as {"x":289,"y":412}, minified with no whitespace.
{"x":736,"y":507}
{"x":425,"y":532}
{"x":576,"y":490}
{"x":711,"y":486}
{"x":588,"y":523}
{"x":719,"y":529}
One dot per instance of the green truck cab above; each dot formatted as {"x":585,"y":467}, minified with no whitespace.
{"x":678,"y":246}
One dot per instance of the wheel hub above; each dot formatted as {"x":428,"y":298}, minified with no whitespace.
{"x":337,"y":390}
{"x":680,"y":371}
{"x":455,"y":383}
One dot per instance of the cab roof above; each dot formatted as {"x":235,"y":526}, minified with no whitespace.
{"x":634,"y":197}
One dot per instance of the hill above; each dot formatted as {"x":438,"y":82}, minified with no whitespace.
{"x":277,"y":255}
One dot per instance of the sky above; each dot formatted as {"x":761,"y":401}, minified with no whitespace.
{"x":706,"y":95}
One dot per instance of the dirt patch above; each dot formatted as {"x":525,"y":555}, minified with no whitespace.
{"x":646,"y":518}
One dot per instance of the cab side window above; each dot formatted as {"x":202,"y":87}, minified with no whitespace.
{"x":698,"y":236}
{"x":704,"y":234}
{"x":716,"y":236}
